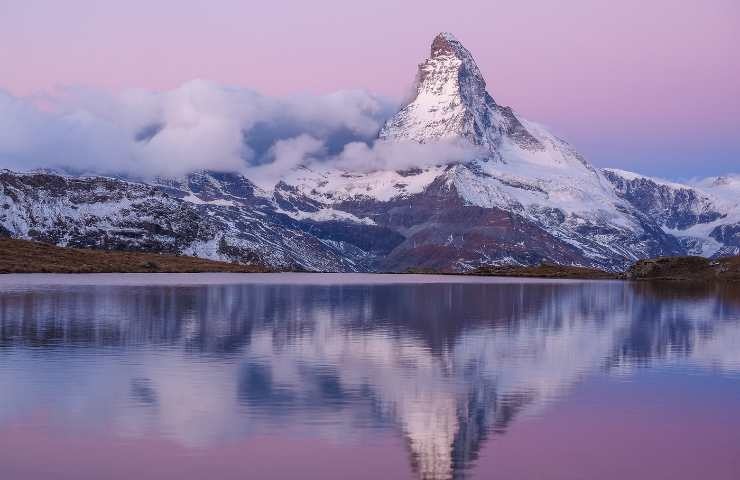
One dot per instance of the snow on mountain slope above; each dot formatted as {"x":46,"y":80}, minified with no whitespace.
{"x":704,"y":216}
{"x":332,"y":185}
{"x":726,"y":231}
{"x":725,"y":188}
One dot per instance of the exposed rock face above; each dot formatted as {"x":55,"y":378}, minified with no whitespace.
{"x":729,"y":236}
{"x":705,"y":218}
{"x":226,"y":220}
{"x":98,"y":213}
{"x":442,"y":232}
{"x":673,"y":206}
{"x":526,"y":197}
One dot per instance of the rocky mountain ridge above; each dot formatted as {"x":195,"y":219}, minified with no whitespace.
{"x":210,"y":215}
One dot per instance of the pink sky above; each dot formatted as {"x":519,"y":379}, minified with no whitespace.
{"x":640,"y":84}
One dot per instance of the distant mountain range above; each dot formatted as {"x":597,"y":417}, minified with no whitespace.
{"x":524,"y":196}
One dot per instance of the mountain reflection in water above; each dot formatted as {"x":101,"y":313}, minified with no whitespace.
{"x":446,"y":365}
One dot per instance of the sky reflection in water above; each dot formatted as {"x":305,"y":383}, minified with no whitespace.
{"x":187,"y":376}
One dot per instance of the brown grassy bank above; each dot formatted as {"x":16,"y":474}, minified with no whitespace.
{"x":692,"y":269}
{"x":24,"y":256}
{"x":546,"y":271}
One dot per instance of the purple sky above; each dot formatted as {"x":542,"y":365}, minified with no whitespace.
{"x":652,"y":86}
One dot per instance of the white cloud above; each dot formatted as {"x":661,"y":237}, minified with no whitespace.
{"x":197,"y":125}
{"x":285,"y":155}
{"x":359,"y":156}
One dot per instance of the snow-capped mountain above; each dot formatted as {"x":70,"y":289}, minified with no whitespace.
{"x":521,"y":196}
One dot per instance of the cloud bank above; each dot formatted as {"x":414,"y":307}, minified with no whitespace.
{"x":201,"y":125}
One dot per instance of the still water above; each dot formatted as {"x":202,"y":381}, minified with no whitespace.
{"x":366,"y":376}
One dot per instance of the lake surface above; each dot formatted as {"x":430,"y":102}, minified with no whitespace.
{"x":281,"y":376}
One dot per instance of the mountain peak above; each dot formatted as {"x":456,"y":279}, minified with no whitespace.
{"x":447,"y":50}
{"x":445,"y":43}
{"x":451,"y":103}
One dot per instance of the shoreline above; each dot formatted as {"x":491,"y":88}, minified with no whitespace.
{"x":31,"y":257}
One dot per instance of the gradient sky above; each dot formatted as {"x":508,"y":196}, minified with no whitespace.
{"x":650,"y":85}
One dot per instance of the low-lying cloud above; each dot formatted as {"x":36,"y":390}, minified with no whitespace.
{"x":201,"y":125}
